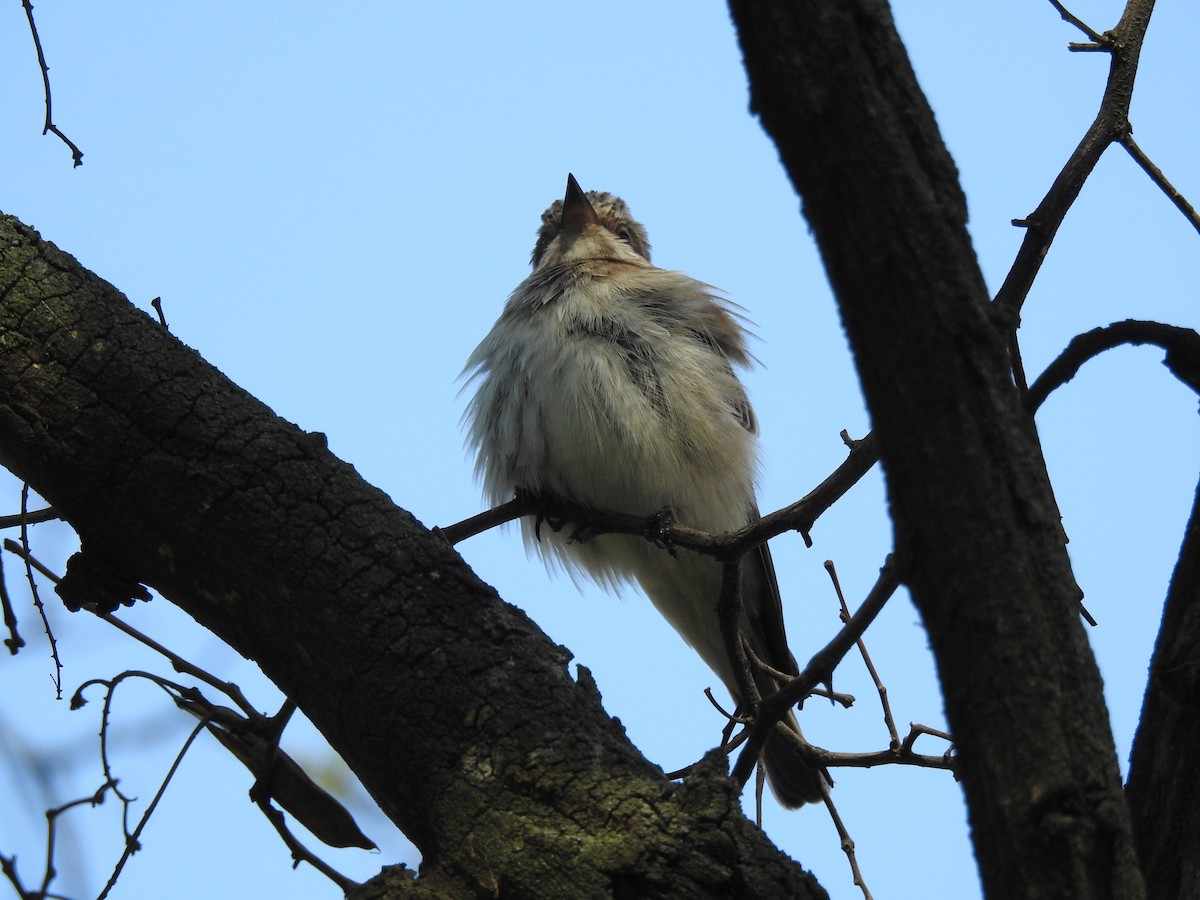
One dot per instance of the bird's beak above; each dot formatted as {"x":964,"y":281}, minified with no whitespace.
{"x":576,"y":211}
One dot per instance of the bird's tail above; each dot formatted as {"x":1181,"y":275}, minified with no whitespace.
{"x":793,"y":779}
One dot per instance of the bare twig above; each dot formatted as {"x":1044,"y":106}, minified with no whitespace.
{"x":1160,"y":179}
{"x":299,"y":852}
{"x":902,"y":754}
{"x":14,"y":641}
{"x":818,"y":671}
{"x":915,"y":731}
{"x":1096,"y":37}
{"x":760,"y":782}
{"x":76,"y":153}
{"x":254,"y":741}
{"x":729,"y":740}
{"x":521,"y":505}
{"x":17,"y":550}
{"x":110,"y":687}
{"x":162,"y":319}
{"x":37,"y":599}
{"x":1110,"y":125}
{"x":847,"y":844}
{"x":52,"y":816}
{"x":843,"y":700}
{"x":131,"y":840}
{"x":862,"y":649}
{"x":8,"y":864}
{"x":34,"y":517}
{"x":181,"y":665}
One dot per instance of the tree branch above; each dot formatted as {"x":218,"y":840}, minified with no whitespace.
{"x":1162,"y":788}
{"x":799,"y":516}
{"x":76,"y":153}
{"x":1157,"y":176}
{"x":1110,"y":125}
{"x":1182,"y":346}
{"x":457,"y":714}
{"x":977,"y":528}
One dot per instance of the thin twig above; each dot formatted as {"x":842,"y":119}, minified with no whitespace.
{"x":76,"y":153}
{"x":845,"y":700}
{"x":1109,"y":126}
{"x":760,"y":782}
{"x":52,"y":833}
{"x":847,"y":844}
{"x":915,"y":731}
{"x":228,"y":688}
{"x":1086,"y":29}
{"x":37,"y":599}
{"x":818,"y":671}
{"x":299,"y":852}
{"x":522,"y":505}
{"x":14,"y":641}
{"x":1160,"y":179}
{"x":131,"y":841}
{"x":903,"y":755}
{"x":866,"y":657}
{"x":34,"y":517}
{"x":162,"y":319}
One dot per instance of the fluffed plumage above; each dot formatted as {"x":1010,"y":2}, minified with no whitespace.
{"x":609,"y":382}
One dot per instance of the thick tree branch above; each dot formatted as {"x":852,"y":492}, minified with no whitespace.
{"x":1163,"y":788}
{"x":459,"y":716}
{"x":977,"y":528}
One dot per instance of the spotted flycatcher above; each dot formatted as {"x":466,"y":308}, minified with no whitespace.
{"x":609,"y":383}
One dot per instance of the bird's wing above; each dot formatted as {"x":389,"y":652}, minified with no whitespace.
{"x":764,"y":610}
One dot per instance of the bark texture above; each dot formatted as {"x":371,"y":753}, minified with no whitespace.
{"x":457,"y":713}
{"x":1164,"y":781}
{"x":978,"y":536}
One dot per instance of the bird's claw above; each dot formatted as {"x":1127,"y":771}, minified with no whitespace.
{"x":658,"y":529}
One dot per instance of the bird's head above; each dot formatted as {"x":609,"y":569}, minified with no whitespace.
{"x":592,"y":225}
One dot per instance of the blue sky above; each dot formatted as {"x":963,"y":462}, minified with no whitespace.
{"x":334,"y":201}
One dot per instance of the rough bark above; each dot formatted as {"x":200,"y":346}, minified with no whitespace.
{"x":1164,"y":780}
{"x":978,"y":536}
{"x":459,"y":716}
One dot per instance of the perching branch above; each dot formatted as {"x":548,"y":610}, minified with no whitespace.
{"x":799,"y":516}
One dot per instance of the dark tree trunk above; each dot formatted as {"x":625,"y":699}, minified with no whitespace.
{"x":1164,"y":780}
{"x":978,"y":536}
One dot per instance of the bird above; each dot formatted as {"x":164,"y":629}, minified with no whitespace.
{"x":609,"y":383}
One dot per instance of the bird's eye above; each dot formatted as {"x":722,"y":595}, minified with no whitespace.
{"x":623,"y":234}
